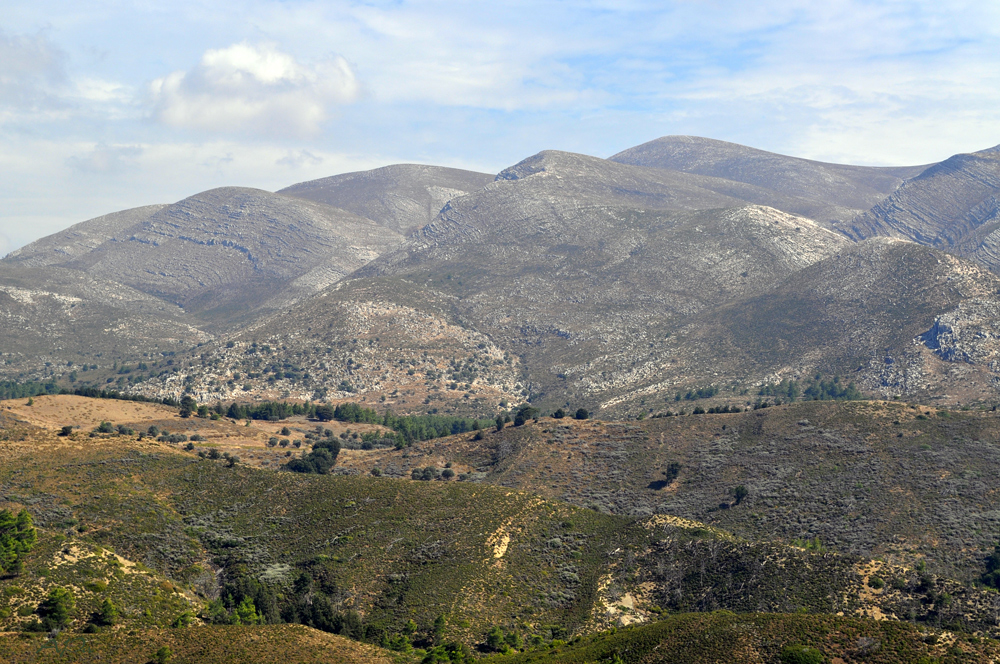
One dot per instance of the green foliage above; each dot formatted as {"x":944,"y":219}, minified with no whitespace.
{"x":271,"y":411}
{"x":105,"y":427}
{"x":798,"y":654}
{"x":582,"y":414}
{"x":700,"y":393}
{"x":816,"y":389}
{"x":188,"y":406}
{"x":57,"y":608}
{"x":163,"y":655}
{"x":810,"y":544}
{"x":12,"y":390}
{"x":17,"y":537}
{"x":108,"y":613}
{"x":320,"y":460}
{"x":410,"y":427}
{"x":739,"y":493}
{"x":246,"y":613}
{"x":991,"y":577}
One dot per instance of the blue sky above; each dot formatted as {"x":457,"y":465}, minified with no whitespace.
{"x":109,"y":105}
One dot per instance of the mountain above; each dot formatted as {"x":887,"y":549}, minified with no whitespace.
{"x":857,"y":314}
{"x":828,"y":193}
{"x":222,"y":253}
{"x":55,"y":321}
{"x":401,"y":197}
{"x":952,"y":205}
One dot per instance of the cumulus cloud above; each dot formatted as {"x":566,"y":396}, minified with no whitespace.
{"x":253,"y":89}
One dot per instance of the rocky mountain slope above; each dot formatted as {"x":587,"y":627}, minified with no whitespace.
{"x":566,"y":278}
{"x":402,"y":197}
{"x":952,"y":205}
{"x":828,"y":193}
{"x":222,"y":253}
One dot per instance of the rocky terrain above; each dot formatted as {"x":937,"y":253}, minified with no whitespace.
{"x":223,"y":253}
{"x":952,"y":205}
{"x":402,"y":197}
{"x":681,"y":264}
{"x":828,"y":193}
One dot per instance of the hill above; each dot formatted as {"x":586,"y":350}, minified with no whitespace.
{"x":952,"y":205}
{"x":224,"y":253}
{"x":828,"y":193}
{"x":458,"y":558}
{"x":401,"y":197}
{"x":888,"y":480}
{"x":720,"y":638}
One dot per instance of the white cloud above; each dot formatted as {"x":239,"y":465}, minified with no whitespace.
{"x":299,"y":159}
{"x":106,"y":159}
{"x":254,"y":89}
{"x":31,"y":70}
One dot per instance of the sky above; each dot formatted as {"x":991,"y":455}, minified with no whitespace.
{"x":107,"y":105}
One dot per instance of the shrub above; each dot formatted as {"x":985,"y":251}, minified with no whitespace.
{"x":582,"y":414}
{"x":801,"y":655}
{"x":559,"y":414}
{"x":105,"y":427}
{"x":66,"y":430}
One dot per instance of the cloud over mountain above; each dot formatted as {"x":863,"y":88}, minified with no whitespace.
{"x":253,"y":89}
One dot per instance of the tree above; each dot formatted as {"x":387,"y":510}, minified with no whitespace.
{"x":66,"y":430}
{"x":500,"y":422}
{"x":57,"y":608}
{"x":188,"y":406}
{"x":246,"y":613}
{"x":739,"y":493}
{"x":17,"y":537}
{"x":163,"y":655}
{"x":495,"y":640}
{"x":325,"y":413}
{"x":559,"y":414}
{"x":992,"y":575}
{"x":108,"y":613}
{"x":582,"y":414}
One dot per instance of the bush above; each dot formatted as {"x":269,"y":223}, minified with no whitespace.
{"x":66,"y":430}
{"x":801,"y":655}
{"x":105,"y":427}
{"x":559,"y":414}
{"x":582,"y":414}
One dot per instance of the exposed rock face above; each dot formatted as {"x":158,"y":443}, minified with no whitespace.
{"x":225,"y":250}
{"x":828,"y":193}
{"x":970,"y":333}
{"x":954,"y":205}
{"x":402,"y":197}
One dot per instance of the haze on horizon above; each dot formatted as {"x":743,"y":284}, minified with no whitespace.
{"x":114,"y":105}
